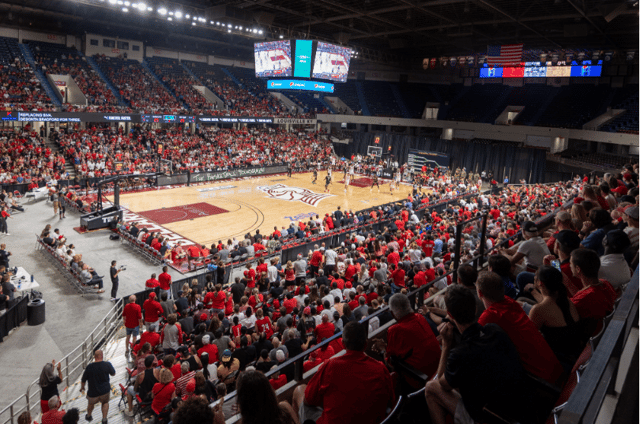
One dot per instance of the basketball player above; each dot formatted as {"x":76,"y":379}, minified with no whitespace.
{"x":289,"y":169}
{"x":375,"y":182}
{"x":347,"y":180}
{"x":327,"y":182}
{"x":315,"y":176}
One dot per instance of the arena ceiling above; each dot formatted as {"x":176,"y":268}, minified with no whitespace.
{"x":398,"y":31}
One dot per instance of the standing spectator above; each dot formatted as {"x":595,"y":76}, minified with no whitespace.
{"x":300,"y":268}
{"x":152,"y":312}
{"x":97,"y":375}
{"x":49,"y":384}
{"x":132,"y":315}
{"x":4,"y":256}
{"x":171,"y":335}
{"x":115,"y":280}
{"x":165,"y":282}
{"x":369,"y":387}
{"x":613,"y":266}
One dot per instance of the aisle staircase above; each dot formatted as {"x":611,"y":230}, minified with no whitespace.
{"x":44,"y":82}
{"x":191,"y":74}
{"x":146,"y":66}
{"x":361,"y":98}
{"x":403,"y":107}
{"x":68,"y":166}
{"x":233,"y":77}
{"x":71,"y":397}
{"x":94,"y":65}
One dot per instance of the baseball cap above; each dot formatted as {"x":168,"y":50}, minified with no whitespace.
{"x":226,"y":354}
{"x":569,"y":239}
{"x":632,"y":212}
{"x":152,"y":295}
{"x":307,"y":311}
{"x":529,"y":227}
{"x":180,"y":292}
{"x":348,"y":285}
{"x":203,"y":317}
{"x":191,"y":386}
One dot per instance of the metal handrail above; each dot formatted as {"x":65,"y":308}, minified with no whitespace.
{"x":72,"y":363}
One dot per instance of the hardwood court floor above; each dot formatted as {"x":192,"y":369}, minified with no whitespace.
{"x":281,"y":201}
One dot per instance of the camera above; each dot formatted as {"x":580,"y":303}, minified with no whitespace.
{"x":123,"y":268}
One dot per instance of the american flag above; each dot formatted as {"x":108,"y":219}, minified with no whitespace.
{"x":505,"y":55}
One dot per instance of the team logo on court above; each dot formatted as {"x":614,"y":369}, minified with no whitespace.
{"x":293,"y":194}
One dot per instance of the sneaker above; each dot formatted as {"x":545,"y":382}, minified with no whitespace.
{"x":128,"y":413}
{"x":113,"y":299}
{"x":104,"y":421}
{"x":88,"y":417}
{"x":96,"y":286}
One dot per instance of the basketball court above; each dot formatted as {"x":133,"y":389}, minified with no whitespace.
{"x":219,"y":211}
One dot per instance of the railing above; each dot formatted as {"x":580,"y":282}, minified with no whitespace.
{"x":72,"y":366}
{"x":599,"y":378}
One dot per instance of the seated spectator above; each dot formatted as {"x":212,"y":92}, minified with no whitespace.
{"x":163,"y":391}
{"x":54,"y":414}
{"x":594,"y":230}
{"x":597,"y":297}
{"x":369,"y":387}
{"x":197,"y":410}
{"x":613,"y":266}
{"x":556,"y":317}
{"x":535,"y":353}
{"x":502,"y":266}
{"x":257,"y":400}
{"x":144,"y":383}
{"x":410,"y":339}
{"x":228,"y":366}
{"x":533,"y":250}
{"x":483,"y":367}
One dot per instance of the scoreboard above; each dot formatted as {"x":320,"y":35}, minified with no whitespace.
{"x":419,"y":158}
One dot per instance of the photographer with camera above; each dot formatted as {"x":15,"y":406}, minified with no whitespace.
{"x":115,"y":280}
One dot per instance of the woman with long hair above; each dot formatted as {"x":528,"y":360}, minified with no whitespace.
{"x":556,"y":316}
{"x":48,"y":383}
{"x":257,"y":401}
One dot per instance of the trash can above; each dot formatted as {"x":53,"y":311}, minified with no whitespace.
{"x":35,"y":312}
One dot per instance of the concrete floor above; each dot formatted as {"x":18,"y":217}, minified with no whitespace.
{"x":69,"y":316}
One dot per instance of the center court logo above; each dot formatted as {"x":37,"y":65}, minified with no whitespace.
{"x":293,"y":194}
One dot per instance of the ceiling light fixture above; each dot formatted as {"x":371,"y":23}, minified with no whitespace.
{"x":162,"y":11}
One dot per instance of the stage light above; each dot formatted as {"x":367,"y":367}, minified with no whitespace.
{"x":127,"y":4}
{"x":162,"y":11}
{"x":260,"y":32}
{"x":113,"y":1}
{"x":178,"y":14}
{"x":169,"y":18}
{"x":125,"y":10}
{"x":281,"y":36}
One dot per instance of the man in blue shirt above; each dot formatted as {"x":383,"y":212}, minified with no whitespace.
{"x":97,"y":374}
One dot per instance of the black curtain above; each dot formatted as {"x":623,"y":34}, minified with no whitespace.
{"x":504,"y":159}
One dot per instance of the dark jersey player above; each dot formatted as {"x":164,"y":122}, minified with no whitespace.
{"x":375,"y":182}
{"x":315,"y":176}
{"x":327,"y":182}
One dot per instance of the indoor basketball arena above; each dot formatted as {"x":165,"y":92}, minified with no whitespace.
{"x":355,"y":212}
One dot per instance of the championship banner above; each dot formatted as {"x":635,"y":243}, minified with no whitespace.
{"x":295,"y":121}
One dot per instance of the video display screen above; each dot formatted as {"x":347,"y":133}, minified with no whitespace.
{"x":331,"y":62}
{"x":576,"y":71}
{"x":273,"y":59}
{"x":302,"y":68}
